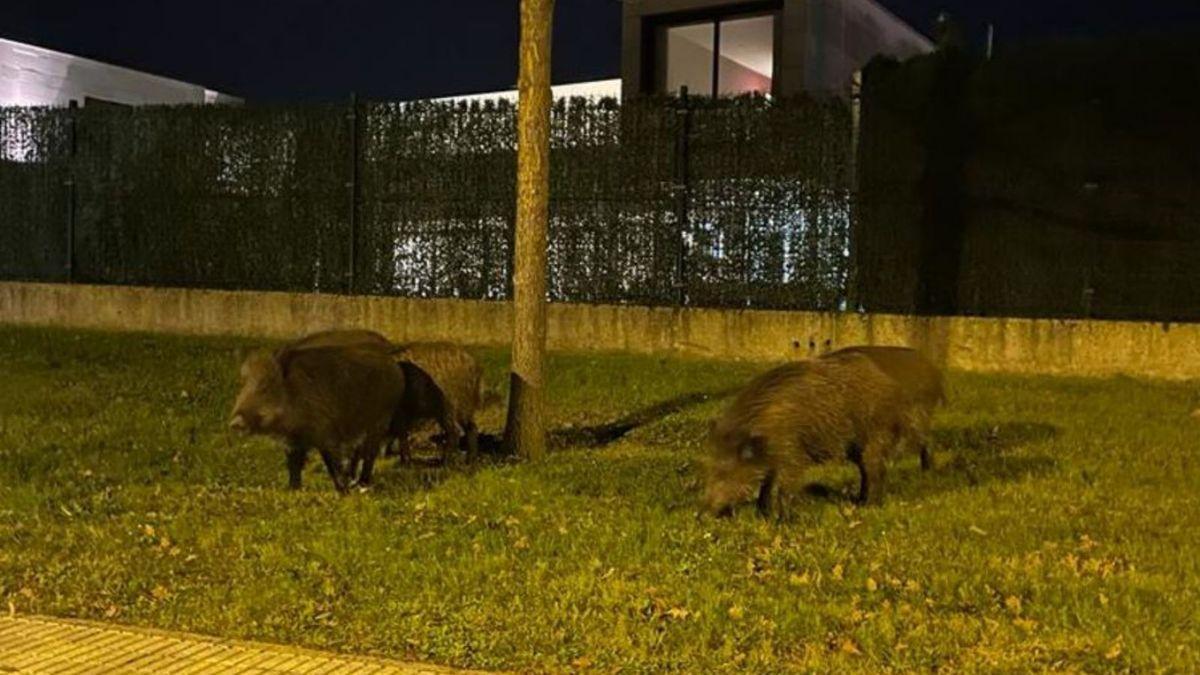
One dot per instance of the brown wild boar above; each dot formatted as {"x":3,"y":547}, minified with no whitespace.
{"x":339,"y":400}
{"x":361,"y":467}
{"x":798,"y":415}
{"x":919,"y":379}
{"x":442,"y":384}
{"x":343,"y":338}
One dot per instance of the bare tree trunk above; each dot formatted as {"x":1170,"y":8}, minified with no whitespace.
{"x":525,"y":433}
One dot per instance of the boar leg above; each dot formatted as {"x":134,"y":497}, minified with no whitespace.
{"x":452,"y":441}
{"x":923,"y":446}
{"x":336,"y":472}
{"x":766,"y":495}
{"x":399,"y":441}
{"x":917,"y":434}
{"x":368,"y":454}
{"x":873,"y":468}
{"x":472,"y":439}
{"x":926,"y":458}
{"x":297,"y":457}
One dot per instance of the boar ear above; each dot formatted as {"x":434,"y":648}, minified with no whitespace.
{"x":754,"y":448}
{"x":283,"y":360}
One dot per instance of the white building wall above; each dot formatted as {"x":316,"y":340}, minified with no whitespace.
{"x":592,"y":89}
{"x":844,"y":35}
{"x":34,"y":76}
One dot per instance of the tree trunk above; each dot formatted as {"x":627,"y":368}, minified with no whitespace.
{"x":525,"y":433}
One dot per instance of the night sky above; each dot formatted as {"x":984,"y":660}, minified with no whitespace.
{"x":277,"y":50}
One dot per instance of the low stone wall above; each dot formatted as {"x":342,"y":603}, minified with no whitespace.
{"x":1091,"y":348}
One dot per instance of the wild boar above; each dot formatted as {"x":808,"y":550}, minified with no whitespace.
{"x":443,"y":384}
{"x":919,"y":379}
{"x":798,"y":415}
{"x":339,"y":400}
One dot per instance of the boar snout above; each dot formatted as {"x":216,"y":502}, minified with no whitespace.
{"x":247,"y":421}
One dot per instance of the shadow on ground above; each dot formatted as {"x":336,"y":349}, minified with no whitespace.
{"x":992,"y":437}
{"x":600,"y":435}
{"x":964,"y":457}
{"x":426,"y":470}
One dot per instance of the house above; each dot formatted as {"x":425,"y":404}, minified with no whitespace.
{"x":35,"y":76}
{"x":731,"y":47}
{"x":778,"y":47}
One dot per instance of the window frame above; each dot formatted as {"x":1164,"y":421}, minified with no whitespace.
{"x":654,"y":66}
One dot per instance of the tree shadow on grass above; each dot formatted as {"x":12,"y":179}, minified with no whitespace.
{"x":427,"y":470}
{"x":992,"y":437}
{"x":977,"y":455}
{"x":600,"y":435}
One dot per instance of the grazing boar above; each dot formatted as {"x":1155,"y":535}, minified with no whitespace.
{"x":798,"y":415}
{"x":343,"y":338}
{"x":443,"y":384}
{"x":919,"y":379}
{"x":339,"y":400}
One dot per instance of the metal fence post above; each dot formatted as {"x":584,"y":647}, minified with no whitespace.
{"x":352,"y":188}
{"x":853,"y":291}
{"x":682,"y":191}
{"x":72,"y":149}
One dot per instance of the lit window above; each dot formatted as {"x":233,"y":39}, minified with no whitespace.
{"x":725,"y":57}
{"x":747,"y":56}
{"x":690,"y":58}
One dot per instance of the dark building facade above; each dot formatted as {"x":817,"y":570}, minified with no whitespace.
{"x":775,"y":47}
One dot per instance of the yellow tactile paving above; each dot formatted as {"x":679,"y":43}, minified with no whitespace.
{"x":45,"y":646}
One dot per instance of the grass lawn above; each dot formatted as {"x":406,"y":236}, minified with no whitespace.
{"x":1060,"y":529}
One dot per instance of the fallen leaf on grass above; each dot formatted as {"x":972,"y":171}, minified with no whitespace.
{"x":1113,"y":652}
{"x":1013,"y":603}
{"x":1027,"y":625}
{"x":678,"y":613}
{"x":848,"y":647}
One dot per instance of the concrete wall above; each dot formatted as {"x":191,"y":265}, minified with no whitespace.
{"x":1091,"y":348}
{"x":34,"y":76}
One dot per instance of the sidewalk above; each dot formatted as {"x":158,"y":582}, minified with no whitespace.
{"x":31,"y":644}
